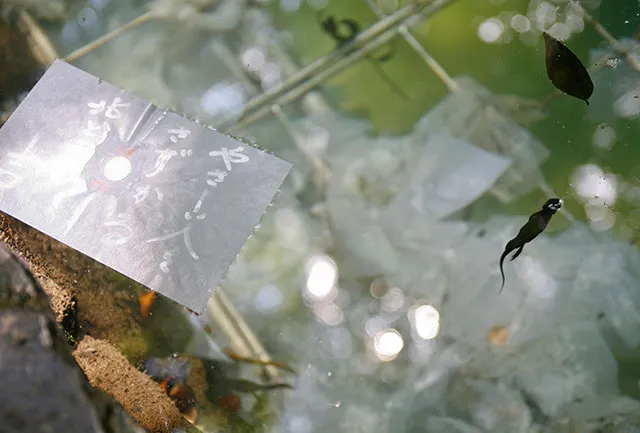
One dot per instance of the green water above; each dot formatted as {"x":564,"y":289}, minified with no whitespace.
{"x":506,"y":68}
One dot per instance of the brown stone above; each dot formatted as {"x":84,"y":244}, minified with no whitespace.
{"x":141,"y":397}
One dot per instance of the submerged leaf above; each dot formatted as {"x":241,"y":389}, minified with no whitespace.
{"x":565,"y":70}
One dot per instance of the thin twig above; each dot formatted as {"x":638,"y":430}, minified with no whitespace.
{"x":245,"y":343}
{"x":302,"y":88}
{"x":324,"y":62}
{"x":41,"y":45}
{"x":317,"y":164}
{"x":80,"y":52}
{"x":329,"y":70}
{"x":419,"y":49}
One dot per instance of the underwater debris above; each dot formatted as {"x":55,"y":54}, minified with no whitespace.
{"x":462,"y":175}
{"x":566,"y":71}
{"x":146,"y":303}
{"x":229,"y":403}
{"x":239,"y":358}
{"x":481,"y":118}
{"x":498,"y":335}
{"x":223,"y":390}
{"x":182,"y":396}
{"x":190,"y":391}
{"x":536,"y":225}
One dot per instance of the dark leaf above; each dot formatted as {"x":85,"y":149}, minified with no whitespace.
{"x":565,"y":70}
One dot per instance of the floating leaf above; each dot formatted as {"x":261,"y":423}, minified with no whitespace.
{"x":566,"y":71}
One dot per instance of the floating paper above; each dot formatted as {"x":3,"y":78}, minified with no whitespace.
{"x":482,"y":119}
{"x":166,"y":202}
{"x":450,"y":175}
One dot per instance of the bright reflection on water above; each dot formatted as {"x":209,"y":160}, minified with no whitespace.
{"x":290,"y":5}
{"x":254,"y":58}
{"x":318,"y":139}
{"x":270,"y":75}
{"x":427,"y":321}
{"x":490,"y":30}
{"x":604,"y":137}
{"x":269,"y":299}
{"x":321,"y":290}
{"x":117,"y":168}
{"x":388,"y":344}
{"x":628,"y":105}
{"x":560,"y":31}
{"x":393,"y":300}
{"x":330,"y":313}
{"x":542,"y":285}
{"x":599,"y":191}
{"x":322,"y":274}
{"x":520,"y":23}
{"x":574,"y":21}
{"x":592,"y":183}
{"x":365,"y":319}
{"x":546,"y":15}
{"x":87,"y":18}
{"x":223,"y":99}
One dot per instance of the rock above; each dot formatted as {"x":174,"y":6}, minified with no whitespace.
{"x":43,"y":387}
{"x":108,"y":370}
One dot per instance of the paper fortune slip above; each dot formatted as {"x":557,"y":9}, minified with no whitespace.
{"x":162,"y":200}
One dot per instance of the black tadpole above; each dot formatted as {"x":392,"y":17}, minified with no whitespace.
{"x":331,"y":26}
{"x":536,"y":225}
{"x":566,"y":71}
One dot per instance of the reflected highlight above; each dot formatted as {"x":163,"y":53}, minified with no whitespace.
{"x":427,"y":321}
{"x":388,"y":344}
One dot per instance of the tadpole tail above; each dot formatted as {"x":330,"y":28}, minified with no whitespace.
{"x":501,"y":268}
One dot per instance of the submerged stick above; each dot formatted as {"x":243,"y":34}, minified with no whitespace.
{"x":296,"y":86}
{"x":406,"y":34}
{"x":243,"y":341}
{"x":326,"y":66}
{"x":103,"y":40}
